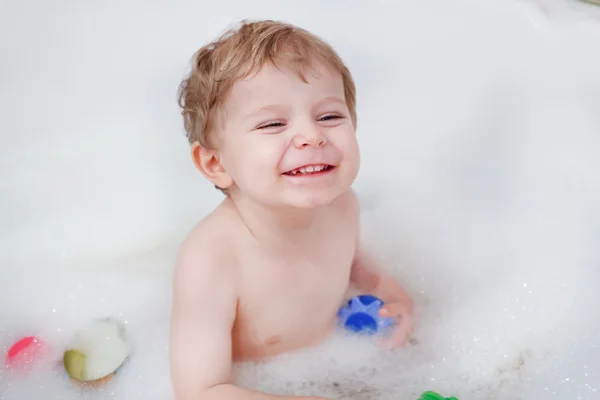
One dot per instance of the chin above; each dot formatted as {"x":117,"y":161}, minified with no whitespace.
{"x":324,"y":190}
{"x":308,"y":199}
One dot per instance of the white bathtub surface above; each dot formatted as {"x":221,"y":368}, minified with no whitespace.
{"x":479,"y":123}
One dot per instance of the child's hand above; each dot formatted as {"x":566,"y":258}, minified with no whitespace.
{"x":402,"y":311}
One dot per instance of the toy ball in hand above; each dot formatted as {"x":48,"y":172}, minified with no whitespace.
{"x":361,"y":315}
{"x":95,"y":353}
{"x":25,"y":352}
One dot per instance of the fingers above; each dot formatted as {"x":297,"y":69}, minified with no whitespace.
{"x":403,"y":330}
{"x":390,"y":310}
{"x":395,"y":309}
{"x":400,"y":336}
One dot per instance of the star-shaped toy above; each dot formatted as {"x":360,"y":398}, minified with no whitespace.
{"x":361,"y":315}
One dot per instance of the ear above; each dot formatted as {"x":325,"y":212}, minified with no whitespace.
{"x":209,"y":163}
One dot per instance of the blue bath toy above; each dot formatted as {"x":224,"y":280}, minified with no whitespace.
{"x":361,"y":315}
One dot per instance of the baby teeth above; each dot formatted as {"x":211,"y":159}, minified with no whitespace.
{"x":309,"y":169}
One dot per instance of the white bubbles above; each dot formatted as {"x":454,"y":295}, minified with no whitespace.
{"x":479,"y":127}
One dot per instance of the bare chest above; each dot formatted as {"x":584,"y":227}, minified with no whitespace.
{"x":291,"y":300}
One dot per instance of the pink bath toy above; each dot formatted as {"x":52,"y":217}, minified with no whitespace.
{"x":25,"y":352}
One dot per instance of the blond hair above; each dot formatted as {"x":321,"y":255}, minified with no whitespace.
{"x":241,"y":52}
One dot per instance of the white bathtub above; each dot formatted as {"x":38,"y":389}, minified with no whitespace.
{"x":479,"y":123}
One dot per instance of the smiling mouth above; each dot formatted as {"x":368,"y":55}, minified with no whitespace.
{"x":310,"y":170}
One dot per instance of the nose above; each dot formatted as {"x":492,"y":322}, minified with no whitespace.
{"x":309,"y":136}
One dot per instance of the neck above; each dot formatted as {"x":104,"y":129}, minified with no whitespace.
{"x":276,"y":224}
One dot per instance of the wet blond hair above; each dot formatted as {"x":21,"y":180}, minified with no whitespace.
{"x":241,"y":52}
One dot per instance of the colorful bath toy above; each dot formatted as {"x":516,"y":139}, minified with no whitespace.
{"x":25,"y":352}
{"x":361,"y":315}
{"x":95,"y":353}
{"x":435,"y":396}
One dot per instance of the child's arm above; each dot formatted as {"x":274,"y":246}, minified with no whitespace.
{"x":204,"y":309}
{"x":371,"y":278}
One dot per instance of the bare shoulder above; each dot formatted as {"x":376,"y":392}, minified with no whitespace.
{"x":208,"y":252}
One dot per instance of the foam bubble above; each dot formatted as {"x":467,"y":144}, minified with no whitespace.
{"x":479,"y":126}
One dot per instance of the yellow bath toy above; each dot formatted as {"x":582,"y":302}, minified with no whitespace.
{"x":95,"y":353}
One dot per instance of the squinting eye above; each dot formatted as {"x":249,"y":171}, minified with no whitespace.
{"x":329,"y":117}
{"x":270,"y":125}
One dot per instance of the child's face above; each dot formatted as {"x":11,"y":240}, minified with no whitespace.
{"x":275,"y":124}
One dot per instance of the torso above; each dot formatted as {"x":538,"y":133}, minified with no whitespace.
{"x":289,"y":298}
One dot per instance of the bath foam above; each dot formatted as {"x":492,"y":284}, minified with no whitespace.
{"x":479,"y":148}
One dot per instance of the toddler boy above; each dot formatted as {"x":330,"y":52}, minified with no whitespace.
{"x":270,"y":113}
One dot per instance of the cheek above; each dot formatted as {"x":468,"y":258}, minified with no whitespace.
{"x":346,"y":142}
{"x":266,"y":152}
{"x":254,"y":162}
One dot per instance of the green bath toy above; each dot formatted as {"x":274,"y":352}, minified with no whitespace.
{"x":435,"y":396}
{"x":95,"y":353}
